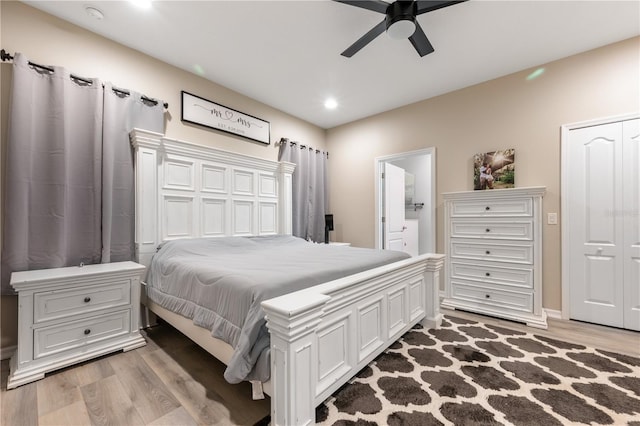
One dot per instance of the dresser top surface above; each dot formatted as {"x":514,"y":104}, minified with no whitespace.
{"x":497,"y":193}
{"x":42,"y":275}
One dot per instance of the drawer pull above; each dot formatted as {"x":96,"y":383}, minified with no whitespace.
{"x":487,"y":252}
{"x":487,"y":208}
{"x":487,"y":296}
{"x":87,"y":299}
{"x":487,"y":274}
{"x":487,"y":230}
{"x":87,"y":331}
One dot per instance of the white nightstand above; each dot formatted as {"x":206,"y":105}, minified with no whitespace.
{"x":69,"y":315}
{"x":335,"y":243}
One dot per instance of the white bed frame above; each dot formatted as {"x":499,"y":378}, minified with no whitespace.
{"x":321,"y":336}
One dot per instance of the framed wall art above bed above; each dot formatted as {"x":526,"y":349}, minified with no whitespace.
{"x":203,"y":112}
{"x":319,"y":336}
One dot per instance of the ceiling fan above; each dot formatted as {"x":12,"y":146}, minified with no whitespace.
{"x":400,"y":22}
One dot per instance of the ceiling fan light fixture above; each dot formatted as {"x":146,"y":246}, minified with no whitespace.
{"x":402,"y":29}
{"x":401,"y":19}
{"x":399,"y":22}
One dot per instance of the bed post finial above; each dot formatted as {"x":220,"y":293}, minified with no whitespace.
{"x":433,"y":317}
{"x":145,"y":145}
{"x":285,"y":182}
{"x":292,"y":322}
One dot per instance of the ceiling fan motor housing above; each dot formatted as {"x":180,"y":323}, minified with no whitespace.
{"x":401,"y":19}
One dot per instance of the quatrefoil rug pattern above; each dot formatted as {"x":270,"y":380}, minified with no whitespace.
{"x":469,"y":373}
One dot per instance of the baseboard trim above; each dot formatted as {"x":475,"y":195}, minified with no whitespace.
{"x":552,"y":313}
{"x":6,"y":353}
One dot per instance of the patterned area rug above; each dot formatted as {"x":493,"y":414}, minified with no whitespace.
{"x":470,"y":373}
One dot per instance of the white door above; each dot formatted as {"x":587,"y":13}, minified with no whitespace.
{"x":393,"y":207}
{"x":411,"y":233}
{"x":631,"y":214}
{"x":601,"y":269}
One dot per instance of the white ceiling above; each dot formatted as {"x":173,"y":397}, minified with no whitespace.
{"x":286,"y":54}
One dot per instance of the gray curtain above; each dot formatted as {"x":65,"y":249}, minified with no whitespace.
{"x":53,"y":172}
{"x":55,"y":183}
{"x":122,"y":113}
{"x":310,"y":189}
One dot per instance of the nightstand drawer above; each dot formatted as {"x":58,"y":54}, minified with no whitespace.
{"x":499,"y":299}
{"x":72,"y":314}
{"x":65,"y":303}
{"x":499,"y":252}
{"x":492,"y":208}
{"x":67,"y":336}
{"x":515,"y":277}
{"x":512,"y":230}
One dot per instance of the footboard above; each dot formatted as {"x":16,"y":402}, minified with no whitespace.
{"x":322,"y":336}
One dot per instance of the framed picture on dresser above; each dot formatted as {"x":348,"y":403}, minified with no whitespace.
{"x":494,"y":170}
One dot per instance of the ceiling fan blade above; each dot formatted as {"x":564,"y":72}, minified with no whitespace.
{"x":364,"y":40}
{"x":375,"y":5}
{"x":424,"y":6}
{"x":421,"y":42}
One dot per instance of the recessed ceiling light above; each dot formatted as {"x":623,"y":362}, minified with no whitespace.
{"x":142,"y":4}
{"x":94,"y":13}
{"x":330,"y":103}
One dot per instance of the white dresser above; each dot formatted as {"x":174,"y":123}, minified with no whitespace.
{"x":493,"y":244}
{"x":69,"y":315}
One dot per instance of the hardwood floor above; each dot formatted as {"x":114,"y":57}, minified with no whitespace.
{"x":171,"y":381}
{"x":598,"y":336}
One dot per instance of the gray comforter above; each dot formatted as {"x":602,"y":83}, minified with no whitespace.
{"x":220,"y":282}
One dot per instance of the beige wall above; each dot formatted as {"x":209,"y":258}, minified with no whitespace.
{"x":45,"y":39}
{"x":508,"y":112}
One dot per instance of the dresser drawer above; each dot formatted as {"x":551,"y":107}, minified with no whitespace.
{"x":70,"y":335}
{"x":492,"y":208}
{"x":513,"y":230}
{"x":487,"y":250}
{"x":65,"y":303}
{"x":500,"y":299}
{"x":487,"y":273}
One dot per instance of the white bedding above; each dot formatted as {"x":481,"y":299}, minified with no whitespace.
{"x":219,"y":283}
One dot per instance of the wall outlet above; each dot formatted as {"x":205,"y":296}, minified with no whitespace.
{"x":552,"y":218}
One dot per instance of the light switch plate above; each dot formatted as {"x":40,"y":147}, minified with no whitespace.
{"x":552,"y":218}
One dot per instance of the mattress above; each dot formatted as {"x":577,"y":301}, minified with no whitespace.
{"x":219,"y":283}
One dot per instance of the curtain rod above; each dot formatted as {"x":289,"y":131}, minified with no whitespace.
{"x":286,"y":140}
{"x":4,"y":56}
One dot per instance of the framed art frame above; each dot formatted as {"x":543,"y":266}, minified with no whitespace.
{"x":494,"y":170}
{"x":203,"y":112}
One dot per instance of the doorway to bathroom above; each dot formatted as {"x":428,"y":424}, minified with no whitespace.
{"x":405,"y":201}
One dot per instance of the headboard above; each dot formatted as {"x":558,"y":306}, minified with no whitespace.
{"x":186,"y":190}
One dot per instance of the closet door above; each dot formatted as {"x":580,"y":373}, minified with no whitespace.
{"x":595,"y":229}
{"x":631,"y":215}
{"x":603,"y":217}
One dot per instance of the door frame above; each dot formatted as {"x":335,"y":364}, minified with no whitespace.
{"x":430,"y":153}
{"x":565,"y":129}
